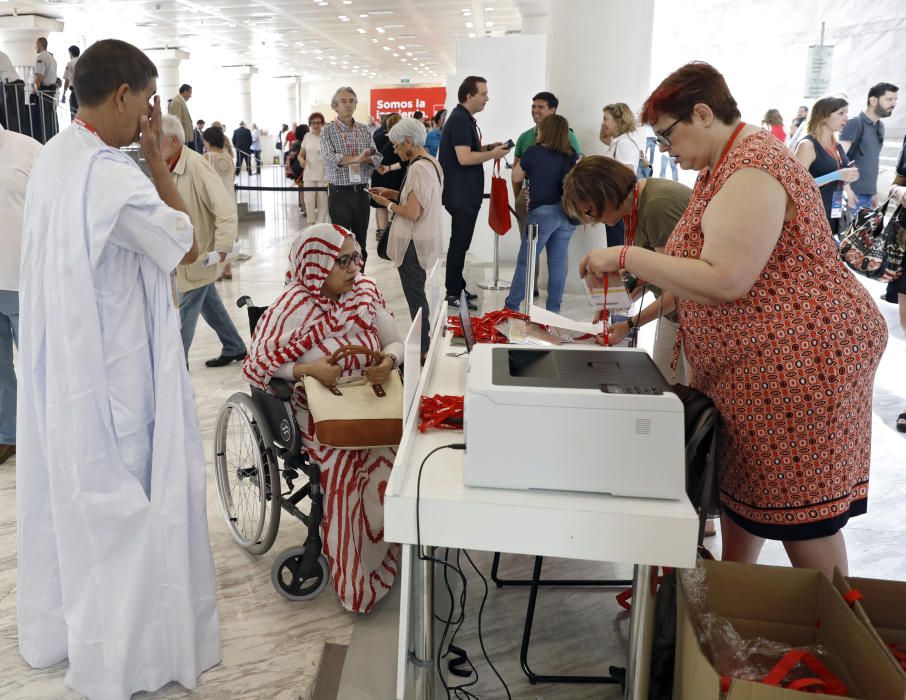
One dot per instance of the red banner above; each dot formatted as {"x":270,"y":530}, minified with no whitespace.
{"x":407,"y":100}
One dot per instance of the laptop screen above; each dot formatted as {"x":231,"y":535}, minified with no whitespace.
{"x":466,"y":320}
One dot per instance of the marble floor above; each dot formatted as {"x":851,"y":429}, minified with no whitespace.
{"x":272,"y":647}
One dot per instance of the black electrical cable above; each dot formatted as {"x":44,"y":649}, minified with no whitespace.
{"x":459,"y":691}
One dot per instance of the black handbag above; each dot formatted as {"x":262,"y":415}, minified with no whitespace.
{"x":875,"y":249}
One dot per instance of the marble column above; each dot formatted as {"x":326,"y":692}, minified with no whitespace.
{"x":241,"y":86}
{"x":604,"y":58}
{"x":167,"y":62}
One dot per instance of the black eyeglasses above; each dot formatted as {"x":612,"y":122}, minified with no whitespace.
{"x":663,"y":138}
{"x":344,"y":261}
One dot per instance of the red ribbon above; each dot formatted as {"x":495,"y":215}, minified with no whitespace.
{"x":899,"y":653}
{"x":441,"y":412}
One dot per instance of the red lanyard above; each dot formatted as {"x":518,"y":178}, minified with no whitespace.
{"x":835,"y":153}
{"x":727,"y":148}
{"x":631,"y":220}
{"x":342,"y":129}
{"x":86,"y":125}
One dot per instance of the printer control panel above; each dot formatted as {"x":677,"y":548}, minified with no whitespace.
{"x":623,"y":389}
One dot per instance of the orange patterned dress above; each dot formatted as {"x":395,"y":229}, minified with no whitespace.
{"x":790,"y":365}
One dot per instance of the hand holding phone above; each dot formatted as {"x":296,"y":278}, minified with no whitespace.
{"x":509,"y":144}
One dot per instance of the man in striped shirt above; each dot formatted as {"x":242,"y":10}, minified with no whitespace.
{"x":350,"y":157}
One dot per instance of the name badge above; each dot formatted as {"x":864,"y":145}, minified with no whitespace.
{"x":836,"y":210}
{"x":355,"y":173}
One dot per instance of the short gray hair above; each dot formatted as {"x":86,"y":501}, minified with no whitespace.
{"x":336,"y":95}
{"x":172,"y":128}
{"x":408,"y":128}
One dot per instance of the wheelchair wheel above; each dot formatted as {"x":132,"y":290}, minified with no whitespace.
{"x":248,"y":480}
{"x":294,"y":584}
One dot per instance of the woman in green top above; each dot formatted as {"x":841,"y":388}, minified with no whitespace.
{"x":655,"y":205}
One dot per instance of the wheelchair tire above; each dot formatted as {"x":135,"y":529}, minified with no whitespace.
{"x":294,"y":585}
{"x":243,"y":451}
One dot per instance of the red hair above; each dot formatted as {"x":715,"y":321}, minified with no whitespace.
{"x":694,"y":83}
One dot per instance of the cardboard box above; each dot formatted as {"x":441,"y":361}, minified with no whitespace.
{"x":793,"y":606}
{"x":882,"y":609}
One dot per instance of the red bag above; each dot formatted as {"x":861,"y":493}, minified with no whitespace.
{"x":499,"y":215}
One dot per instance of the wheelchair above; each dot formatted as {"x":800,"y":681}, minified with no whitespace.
{"x":258,"y":458}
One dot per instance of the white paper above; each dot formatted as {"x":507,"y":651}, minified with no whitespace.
{"x":213,"y":258}
{"x":549,"y":318}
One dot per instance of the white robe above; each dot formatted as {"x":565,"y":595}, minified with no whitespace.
{"x":115,"y":569}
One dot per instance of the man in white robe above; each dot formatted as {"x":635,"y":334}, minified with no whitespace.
{"x":115,"y":569}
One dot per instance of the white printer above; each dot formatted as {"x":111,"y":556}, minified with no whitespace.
{"x":572,"y":418}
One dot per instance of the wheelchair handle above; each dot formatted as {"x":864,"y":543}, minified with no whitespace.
{"x":245,"y":300}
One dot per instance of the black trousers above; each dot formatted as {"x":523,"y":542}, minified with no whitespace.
{"x":348,"y":207}
{"x":243,"y":157}
{"x":73,"y":103}
{"x":412,"y":279}
{"x":462,"y":229}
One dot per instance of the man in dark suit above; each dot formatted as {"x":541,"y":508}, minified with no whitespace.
{"x":242,"y":142}
{"x":199,"y":139}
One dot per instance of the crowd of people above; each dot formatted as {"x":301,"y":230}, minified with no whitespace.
{"x":105,"y":405}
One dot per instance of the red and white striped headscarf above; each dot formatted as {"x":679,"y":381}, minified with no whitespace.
{"x":302,"y":318}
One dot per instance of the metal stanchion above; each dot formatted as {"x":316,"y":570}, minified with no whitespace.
{"x":422,"y":657}
{"x":531,"y":255}
{"x":496,"y":284}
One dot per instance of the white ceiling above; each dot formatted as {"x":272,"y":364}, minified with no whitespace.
{"x":379,"y":39}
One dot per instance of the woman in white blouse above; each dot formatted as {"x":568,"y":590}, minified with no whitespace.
{"x":617,"y":130}
{"x":313,"y":171}
{"x":414,"y":242}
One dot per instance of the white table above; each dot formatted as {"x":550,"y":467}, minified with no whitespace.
{"x":644,"y":532}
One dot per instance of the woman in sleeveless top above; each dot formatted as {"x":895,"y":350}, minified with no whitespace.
{"x":777,"y":332}
{"x":821,"y":154}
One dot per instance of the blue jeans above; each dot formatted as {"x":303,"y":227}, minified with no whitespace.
{"x":554,"y":232}
{"x":206,"y":301}
{"x":650,"y":148}
{"x":9,"y":334}
{"x":863,"y":201}
{"x":665,"y":159}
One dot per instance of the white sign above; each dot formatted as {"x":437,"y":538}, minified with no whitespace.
{"x":818,"y":71}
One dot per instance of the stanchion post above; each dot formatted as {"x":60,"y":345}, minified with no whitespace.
{"x":496,"y":285}
{"x":531,"y":258}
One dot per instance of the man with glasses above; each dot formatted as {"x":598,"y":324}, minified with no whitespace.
{"x":462,"y":157}
{"x":863,"y":138}
{"x":349,"y":156}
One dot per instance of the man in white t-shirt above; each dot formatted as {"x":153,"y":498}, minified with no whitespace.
{"x":17,"y":153}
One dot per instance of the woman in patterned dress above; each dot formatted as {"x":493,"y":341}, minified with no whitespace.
{"x":778,"y":333}
{"x":327,"y":304}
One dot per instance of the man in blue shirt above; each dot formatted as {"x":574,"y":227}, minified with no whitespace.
{"x":462,"y":157}
{"x":862,"y":138}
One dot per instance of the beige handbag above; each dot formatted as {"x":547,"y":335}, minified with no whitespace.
{"x":355,"y":414}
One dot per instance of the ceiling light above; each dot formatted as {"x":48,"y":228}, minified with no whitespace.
{"x":365,"y":16}
{"x":391,"y":38}
{"x":469,"y":25}
{"x":343,"y":18}
{"x":347,"y":2}
{"x":404,"y":60}
{"x":396,"y":55}
{"x":467,"y":13}
{"x":471,"y":35}
{"x":373,"y":40}
{"x":381,"y":12}
{"x":489,"y":9}
{"x":401,"y":48}
{"x":360,"y":30}
{"x":380,"y":30}
{"x":386,"y":48}
{"x":408,"y":53}
{"x":489,"y":24}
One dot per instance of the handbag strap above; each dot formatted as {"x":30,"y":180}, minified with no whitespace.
{"x":342,"y":352}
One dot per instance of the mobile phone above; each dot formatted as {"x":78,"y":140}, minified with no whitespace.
{"x":509,"y":143}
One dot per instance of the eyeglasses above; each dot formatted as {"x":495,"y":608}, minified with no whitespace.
{"x":317,"y":124}
{"x":663,"y":138}
{"x":344,"y":261}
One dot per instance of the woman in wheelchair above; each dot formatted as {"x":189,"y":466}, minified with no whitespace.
{"x":328,"y":304}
